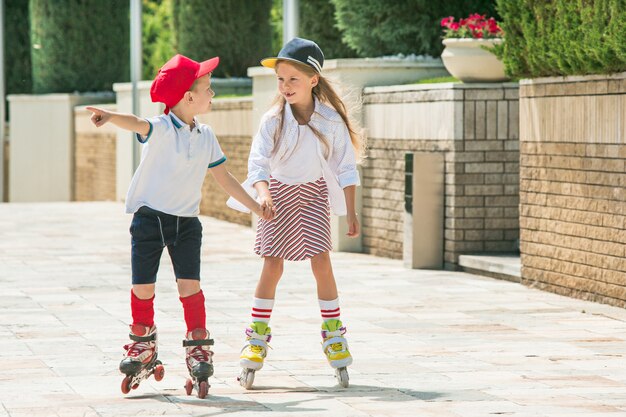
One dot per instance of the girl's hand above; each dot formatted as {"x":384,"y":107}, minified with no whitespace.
{"x":99,"y":116}
{"x":353,"y":225}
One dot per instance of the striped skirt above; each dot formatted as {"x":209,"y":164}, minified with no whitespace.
{"x":301,"y":227}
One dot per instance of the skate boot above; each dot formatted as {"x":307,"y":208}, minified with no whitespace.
{"x":254,"y":352}
{"x":199,"y":361}
{"x":335,"y":347}
{"x":140,"y":360}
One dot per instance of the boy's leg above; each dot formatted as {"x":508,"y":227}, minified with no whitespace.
{"x":141,"y":352}
{"x":185,"y":255}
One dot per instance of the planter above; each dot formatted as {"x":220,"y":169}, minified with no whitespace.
{"x":467,"y":60}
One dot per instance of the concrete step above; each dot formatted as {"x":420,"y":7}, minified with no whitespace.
{"x":505,"y":266}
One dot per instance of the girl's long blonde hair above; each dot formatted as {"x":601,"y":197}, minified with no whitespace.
{"x":325,"y":93}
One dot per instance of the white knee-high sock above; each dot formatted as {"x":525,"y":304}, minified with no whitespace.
{"x":330,"y":309}
{"x":262,"y":309}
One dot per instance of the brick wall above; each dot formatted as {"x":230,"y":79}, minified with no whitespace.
{"x":573,"y":187}
{"x":231,"y":122}
{"x":214,"y":198}
{"x":477,"y":130}
{"x":94,"y":159}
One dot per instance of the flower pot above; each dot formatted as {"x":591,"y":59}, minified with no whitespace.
{"x":466,"y":60}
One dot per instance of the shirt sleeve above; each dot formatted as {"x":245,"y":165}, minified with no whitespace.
{"x":158,"y":127}
{"x":261,"y":152}
{"x":217,"y":157}
{"x":343,"y":158}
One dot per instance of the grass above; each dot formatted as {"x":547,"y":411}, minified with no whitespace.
{"x":438,"y":80}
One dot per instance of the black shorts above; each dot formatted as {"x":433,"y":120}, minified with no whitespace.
{"x":151,"y":231}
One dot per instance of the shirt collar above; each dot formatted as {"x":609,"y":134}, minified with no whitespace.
{"x":178,"y":123}
{"x":291,"y":118}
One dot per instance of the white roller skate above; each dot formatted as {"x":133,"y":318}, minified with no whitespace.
{"x":335,"y":347}
{"x":140,"y":360}
{"x":254,"y":352}
{"x":199,"y":361}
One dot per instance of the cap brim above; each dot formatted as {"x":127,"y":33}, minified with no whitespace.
{"x":271,"y":62}
{"x":208,"y":66}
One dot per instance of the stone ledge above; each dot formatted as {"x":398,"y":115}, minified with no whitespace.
{"x":505,"y":266}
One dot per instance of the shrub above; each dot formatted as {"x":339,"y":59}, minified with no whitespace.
{"x":376,"y":27}
{"x":563,"y":37}
{"x":17,"y":48}
{"x":317,"y":22}
{"x":79,"y":45}
{"x":238,"y":31}
{"x":157,"y":36}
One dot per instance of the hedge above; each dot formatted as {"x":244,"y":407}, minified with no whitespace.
{"x":379,"y":27}
{"x":18,"y":70}
{"x":318,"y":23}
{"x":563,"y":37}
{"x":238,"y":31}
{"x":79,"y":45}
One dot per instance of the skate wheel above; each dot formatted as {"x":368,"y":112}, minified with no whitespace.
{"x":203,"y":389}
{"x":189,"y":387}
{"x":342,"y":377}
{"x":126,"y":385}
{"x":159,"y":372}
{"x":246,"y":378}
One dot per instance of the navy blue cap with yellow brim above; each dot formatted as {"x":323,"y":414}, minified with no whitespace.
{"x":302,"y":51}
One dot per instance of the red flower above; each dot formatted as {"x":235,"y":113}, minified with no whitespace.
{"x":473,"y":26}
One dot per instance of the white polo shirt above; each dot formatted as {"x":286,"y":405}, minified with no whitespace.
{"x":174,"y":161}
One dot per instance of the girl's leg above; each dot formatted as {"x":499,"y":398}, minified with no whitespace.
{"x":272,"y":271}
{"x":259,"y":333}
{"x":323,"y":272}
{"x":335,"y":344}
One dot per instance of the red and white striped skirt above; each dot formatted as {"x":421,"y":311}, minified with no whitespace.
{"x":301,"y":227}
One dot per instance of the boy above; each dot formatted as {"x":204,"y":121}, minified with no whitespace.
{"x":164,"y":197}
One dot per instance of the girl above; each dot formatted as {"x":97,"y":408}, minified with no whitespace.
{"x":302,"y":164}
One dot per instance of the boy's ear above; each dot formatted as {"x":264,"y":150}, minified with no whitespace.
{"x":188,"y":96}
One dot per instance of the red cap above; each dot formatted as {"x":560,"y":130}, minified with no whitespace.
{"x":176,"y":77}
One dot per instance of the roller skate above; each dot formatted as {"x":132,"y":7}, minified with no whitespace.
{"x":254,"y":352}
{"x":335,"y":347}
{"x":199,"y":361}
{"x":140,"y":360}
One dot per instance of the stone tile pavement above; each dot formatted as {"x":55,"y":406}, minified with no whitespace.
{"x":426,"y":343}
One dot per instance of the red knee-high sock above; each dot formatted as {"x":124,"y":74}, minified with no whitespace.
{"x":195,"y":314}
{"x":142,"y":310}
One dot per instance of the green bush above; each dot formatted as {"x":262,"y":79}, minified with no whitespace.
{"x":238,"y":31}
{"x":317,"y":22}
{"x":157,"y":36}
{"x":17,"y":48}
{"x":563,"y":37}
{"x":379,"y":27}
{"x":79,"y":45}
{"x":276,"y":23}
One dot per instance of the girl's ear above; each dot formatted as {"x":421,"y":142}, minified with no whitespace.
{"x":315,"y":80}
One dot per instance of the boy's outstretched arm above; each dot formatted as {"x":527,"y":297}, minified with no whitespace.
{"x":123,"y":120}
{"x":230,"y":184}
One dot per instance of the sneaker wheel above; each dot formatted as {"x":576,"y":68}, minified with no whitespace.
{"x":342,"y":377}
{"x":203,"y":389}
{"x":189,"y":387}
{"x":159,"y":372}
{"x":126,"y":385}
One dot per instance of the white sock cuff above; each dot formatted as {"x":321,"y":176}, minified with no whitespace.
{"x":263,"y":303}
{"x":329,"y":304}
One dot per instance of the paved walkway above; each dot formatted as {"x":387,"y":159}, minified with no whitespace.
{"x":426,"y":343}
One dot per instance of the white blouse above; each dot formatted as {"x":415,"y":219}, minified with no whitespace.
{"x":302,"y":164}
